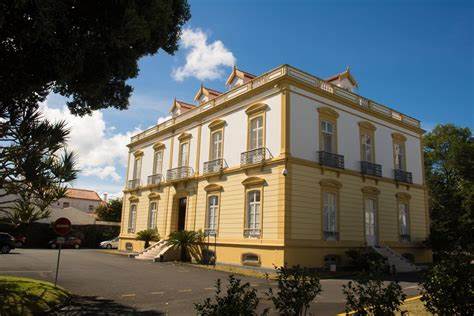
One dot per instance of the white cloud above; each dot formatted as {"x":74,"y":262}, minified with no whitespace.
{"x":203,"y":60}
{"x":99,"y":150}
{"x":162,"y":119}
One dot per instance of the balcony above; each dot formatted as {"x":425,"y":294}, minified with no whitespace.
{"x":214,"y":165}
{"x":252,"y":232}
{"x":211,"y":232}
{"x":179,"y":173}
{"x":405,"y":238}
{"x":331,"y":160}
{"x":371,"y":169}
{"x":133,"y":184}
{"x":402,"y":176}
{"x":154,"y":179}
{"x":254,"y":156}
{"x":331,"y":236}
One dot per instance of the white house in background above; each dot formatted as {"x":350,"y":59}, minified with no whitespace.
{"x":81,"y":199}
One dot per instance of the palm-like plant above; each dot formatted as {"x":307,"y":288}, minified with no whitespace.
{"x":148,"y":235}
{"x":189,"y":243}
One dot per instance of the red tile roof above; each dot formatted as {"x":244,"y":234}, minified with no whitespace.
{"x":82,"y":194}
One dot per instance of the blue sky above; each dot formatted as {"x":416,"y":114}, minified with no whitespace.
{"x":414,"y":56}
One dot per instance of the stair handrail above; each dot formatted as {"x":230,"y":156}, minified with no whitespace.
{"x":150,"y":247}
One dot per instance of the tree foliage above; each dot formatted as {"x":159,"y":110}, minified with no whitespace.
{"x":297,"y":288}
{"x":148,"y":235}
{"x":448,"y":286}
{"x":239,"y":300}
{"x":449,"y":162}
{"x":110,"y":211}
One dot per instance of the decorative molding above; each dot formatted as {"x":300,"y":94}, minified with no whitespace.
{"x":367,"y":125}
{"x":253,"y":181}
{"x":158,"y":146}
{"x":399,"y":137}
{"x":370,"y":190}
{"x":133,"y":198}
{"x":184,"y":136}
{"x":258,"y":107}
{"x":138,"y":153}
{"x":216,"y":124}
{"x":153,"y":196}
{"x":403,"y":196}
{"x":330,"y":183}
{"x":213,"y":187}
{"x":328,"y":112}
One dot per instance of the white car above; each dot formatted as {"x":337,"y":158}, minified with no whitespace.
{"x":109,"y":244}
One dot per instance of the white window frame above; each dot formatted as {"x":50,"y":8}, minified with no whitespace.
{"x":330,"y":214}
{"x":212,"y":212}
{"x":158,"y":161}
{"x":254,"y":209}
{"x":132,"y":218}
{"x":327,"y":131}
{"x":183,"y":154}
{"x":217,"y":144}
{"x":256,"y":133}
{"x":153,"y":215}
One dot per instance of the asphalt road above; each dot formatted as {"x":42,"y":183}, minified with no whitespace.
{"x":114,"y":284}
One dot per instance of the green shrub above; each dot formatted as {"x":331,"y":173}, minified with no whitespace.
{"x":367,"y":261}
{"x":448,"y":286}
{"x":148,"y":235}
{"x":239,"y":300}
{"x":368,"y":295}
{"x":297,"y":288}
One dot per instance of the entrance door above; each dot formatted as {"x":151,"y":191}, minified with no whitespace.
{"x":370,"y":222}
{"x":181,"y":213}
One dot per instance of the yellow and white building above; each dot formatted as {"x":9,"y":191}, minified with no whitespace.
{"x":281,"y":168}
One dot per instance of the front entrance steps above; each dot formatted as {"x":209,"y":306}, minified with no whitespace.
{"x":396,"y":260}
{"x":159,"y":251}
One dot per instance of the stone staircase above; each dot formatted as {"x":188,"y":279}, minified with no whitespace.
{"x":400,"y":263}
{"x":154,"y":252}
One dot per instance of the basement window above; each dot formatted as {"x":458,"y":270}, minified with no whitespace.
{"x":251,"y":259}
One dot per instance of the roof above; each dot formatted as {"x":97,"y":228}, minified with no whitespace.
{"x":240,"y":74}
{"x":82,"y":194}
{"x":210,"y":93}
{"x":181,"y":105}
{"x":345,"y":74}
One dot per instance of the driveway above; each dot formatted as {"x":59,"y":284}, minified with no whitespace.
{"x":129,"y":286}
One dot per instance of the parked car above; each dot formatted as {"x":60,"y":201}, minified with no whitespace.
{"x":69,"y":242}
{"x":7,"y":243}
{"x":109,"y":244}
{"x":20,"y":241}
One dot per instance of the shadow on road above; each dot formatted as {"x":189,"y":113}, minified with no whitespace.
{"x":91,"y":305}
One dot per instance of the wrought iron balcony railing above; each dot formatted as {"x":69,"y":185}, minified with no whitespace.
{"x":330,"y":235}
{"x":405,"y":238}
{"x":371,"y":169}
{"x":331,"y":160}
{"x":254,"y":156}
{"x":402,"y":176}
{"x":215,"y":165}
{"x":154,"y":179}
{"x":252,"y":232}
{"x":179,"y":173}
{"x":133,"y":184}
{"x":210,"y":232}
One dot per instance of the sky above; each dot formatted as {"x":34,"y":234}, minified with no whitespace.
{"x":416,"y":57}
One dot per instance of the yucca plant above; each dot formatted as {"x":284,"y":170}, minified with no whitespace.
{"x":148,"y":235}
{"x":189,"y":243}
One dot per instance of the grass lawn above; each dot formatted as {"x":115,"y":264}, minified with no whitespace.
{"x":25,"y":296}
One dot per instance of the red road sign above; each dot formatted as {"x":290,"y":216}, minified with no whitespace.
{"x":62,"y":226}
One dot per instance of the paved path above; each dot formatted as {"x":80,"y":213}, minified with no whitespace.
{"x":128,"y":286}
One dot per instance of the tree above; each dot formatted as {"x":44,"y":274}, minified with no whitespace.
{"x":83,"y":50}
{"x":148,"y":235}
{"x":110,"y":211}
{"x":448,"y":286}
{"x":34,"y":170}
{"x":368,"y":295}
{"x":240,"y":300}
{"x":297,"y":288}
{"x":449,"y":162}
{"x":189,"y":243}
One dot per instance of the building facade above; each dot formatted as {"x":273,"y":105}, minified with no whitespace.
{"x":81,"y":199}
{"x":281,"y":168}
